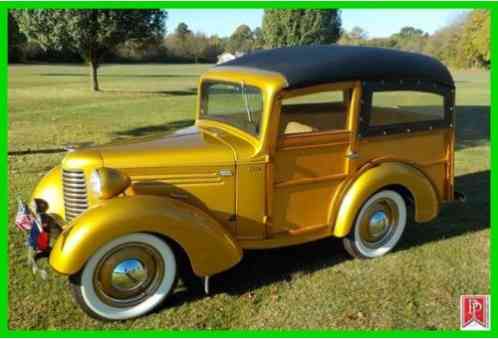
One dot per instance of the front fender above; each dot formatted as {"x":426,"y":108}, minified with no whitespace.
{"x":387,"y":174}
{"x":210,"y":248}
{"x":49,"y":189}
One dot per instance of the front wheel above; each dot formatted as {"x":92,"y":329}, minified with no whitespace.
{"x":378,"y":226}
{"x":126,"y":278}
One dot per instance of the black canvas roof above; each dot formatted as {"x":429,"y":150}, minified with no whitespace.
{"x":317,"y":64}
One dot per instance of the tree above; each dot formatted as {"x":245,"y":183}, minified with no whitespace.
{"x":476,"y":38}
{"x":197,"y":45}
{"x":180,"y":42}
{"x":408,"y":32}
{"x":291,"y":27}
{"x":187,"y":46}
{"x":216,"y":46}
{"x":410,"y":39}
{"x":92,"y":33}
{"x":259,"y":39}
{"x":445,"y":44}
{"x":358,"y":33}
{"x":182,"y":31}
{"x":241,"y":40}
{"x":357,"y":36}
{"x":16,"y":38}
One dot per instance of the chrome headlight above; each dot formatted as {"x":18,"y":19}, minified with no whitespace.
{"x":107,"y":182}
{"x":96,"y":182}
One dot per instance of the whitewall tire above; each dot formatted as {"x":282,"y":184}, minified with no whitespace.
{"x":126,"y":278}
{"x":378,"y":226}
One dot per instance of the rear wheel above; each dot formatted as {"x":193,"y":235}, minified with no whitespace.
{"x":126,"y":278}
{"x":378,"y":226}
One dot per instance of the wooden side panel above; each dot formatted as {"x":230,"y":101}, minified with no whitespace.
{"x":306,"y":176}
{"x":428,"y":151}
{"x":310,"y":162}
{"x":302,"y":206}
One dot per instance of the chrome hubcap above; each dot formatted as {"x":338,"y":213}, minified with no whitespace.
{"x":128,"y":274}
{"x":378,"y":224}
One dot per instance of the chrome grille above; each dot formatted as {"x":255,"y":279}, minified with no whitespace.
{"x":75,"y":197}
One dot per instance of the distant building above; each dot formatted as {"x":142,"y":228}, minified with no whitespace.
{"x":228,"y":56}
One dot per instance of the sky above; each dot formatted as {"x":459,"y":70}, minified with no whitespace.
{"x":377,"y":22}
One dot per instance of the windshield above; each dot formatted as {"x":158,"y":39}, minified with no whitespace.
{"x":238,"y":105}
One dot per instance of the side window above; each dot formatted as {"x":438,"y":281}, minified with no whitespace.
{"x":317,"y":112}
{"x":405,"y":107}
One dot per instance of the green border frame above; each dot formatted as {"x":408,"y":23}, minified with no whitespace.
{"x":4,"y":6}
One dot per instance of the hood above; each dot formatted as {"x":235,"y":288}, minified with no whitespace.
{"x":190,"y":146}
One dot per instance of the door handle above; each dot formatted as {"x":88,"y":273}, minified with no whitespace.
{"x":352,"y":155}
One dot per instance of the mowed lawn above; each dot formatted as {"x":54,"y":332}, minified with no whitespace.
{"x":314,"y":286}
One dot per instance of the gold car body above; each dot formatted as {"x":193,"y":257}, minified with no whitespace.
{"x":216,"y":190}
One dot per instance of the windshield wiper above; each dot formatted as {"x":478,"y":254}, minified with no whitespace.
{"x":246,"y":104}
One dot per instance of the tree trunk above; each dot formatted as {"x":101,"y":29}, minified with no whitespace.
{"x":95,"y":81}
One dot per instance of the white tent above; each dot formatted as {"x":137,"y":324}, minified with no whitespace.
{"x":228,"y":56}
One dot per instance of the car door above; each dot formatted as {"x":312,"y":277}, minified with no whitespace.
{"x":314,"y":155}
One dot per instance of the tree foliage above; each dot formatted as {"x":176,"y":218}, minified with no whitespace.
{"x":241,"y":40}
{"x":476,"y":38}
{"x":182,"y":30}
{"x":292,"y":27}
{"x":259,"y":39}
{"x":357,"y":36}
{"x":184,"y":45}
{"x":463,"y":43}
{"x":91,"y":33}
{"x":16,"y":38}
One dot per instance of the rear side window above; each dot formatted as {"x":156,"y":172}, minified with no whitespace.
{"x":404,"y":107}
{"x":397,"y":107}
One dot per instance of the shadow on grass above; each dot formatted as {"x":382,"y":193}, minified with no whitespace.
{"x":148,"y":130}
{"x":472,"y":126}
{"x":37,"y":151}
{"x":264,"y":267}
{"x":188,"y":92}
{"x":136,"y":76}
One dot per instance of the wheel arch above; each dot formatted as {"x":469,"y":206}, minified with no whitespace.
{"x":408,"y":181}
{"x":208,"y":246}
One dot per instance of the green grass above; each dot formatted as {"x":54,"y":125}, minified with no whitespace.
{"x":314,"y":286}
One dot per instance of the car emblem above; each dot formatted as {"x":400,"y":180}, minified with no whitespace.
{"x":225,"y":173}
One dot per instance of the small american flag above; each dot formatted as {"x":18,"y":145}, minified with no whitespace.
{"x":24,"y":217}
{"x":32,"y":224}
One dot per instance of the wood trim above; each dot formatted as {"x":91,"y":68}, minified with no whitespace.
{"x":432,"y":163}
{"x":311,"y":140}
{"x":415,"y":164}
{"x":296,"y":147}
{"x":308,"y":229}
{"x":313,"y":180}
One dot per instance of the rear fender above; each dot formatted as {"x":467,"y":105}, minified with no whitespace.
{"x":210,"y":248}
{"x":387,"y":174}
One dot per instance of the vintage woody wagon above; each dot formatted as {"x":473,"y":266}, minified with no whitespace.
{"x":289,"y":146}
